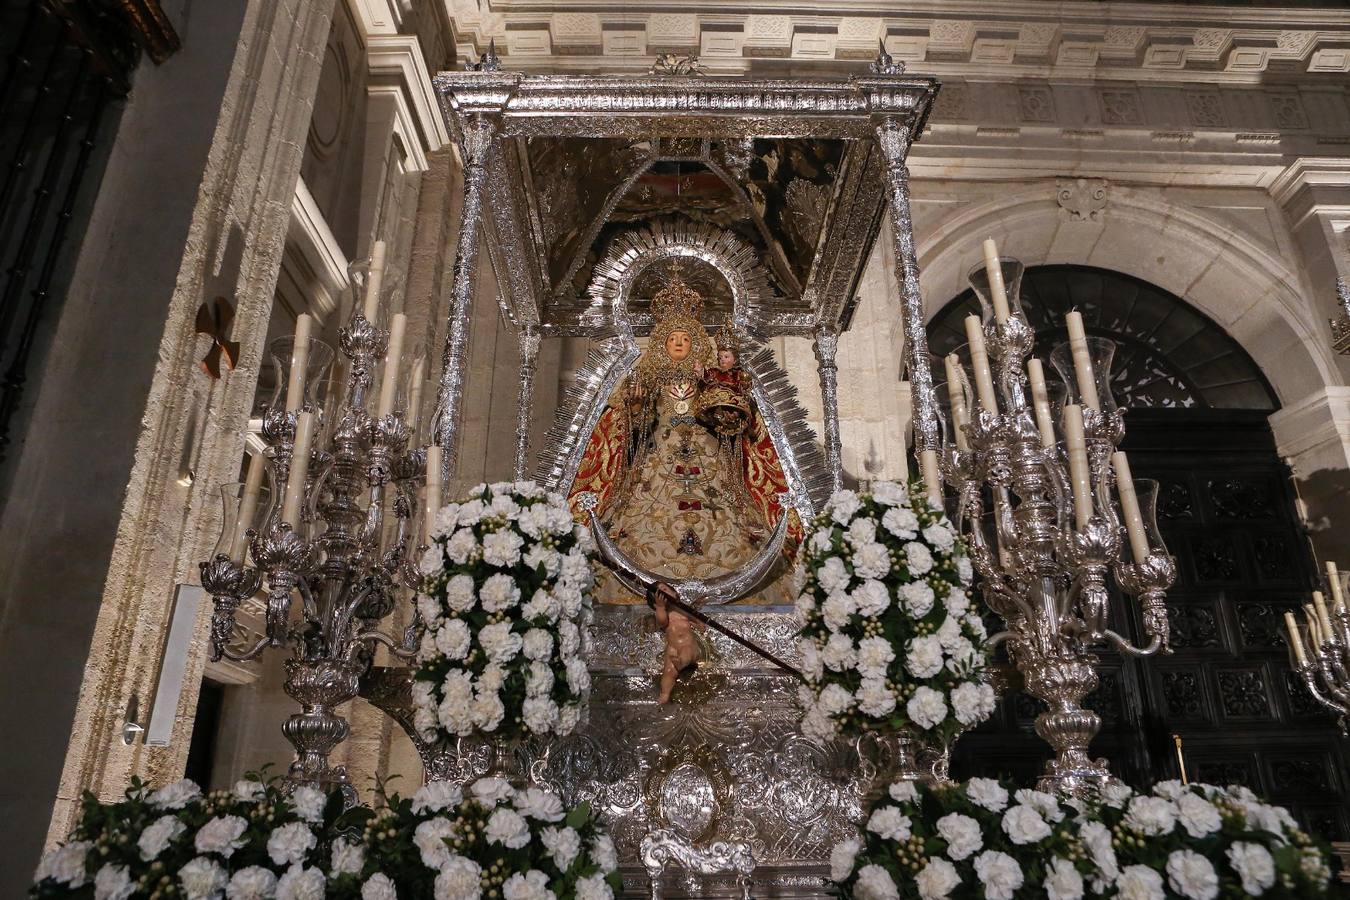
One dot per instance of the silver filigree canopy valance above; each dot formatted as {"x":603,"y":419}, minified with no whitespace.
{"x":790,"y":171}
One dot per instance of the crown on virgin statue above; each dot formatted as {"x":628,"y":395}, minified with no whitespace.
{"x":675,"y":307}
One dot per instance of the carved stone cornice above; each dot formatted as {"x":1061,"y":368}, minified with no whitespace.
{"x":1091,"y":40}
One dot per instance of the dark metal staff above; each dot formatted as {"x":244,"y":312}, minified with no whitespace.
{"x":668,"y":593}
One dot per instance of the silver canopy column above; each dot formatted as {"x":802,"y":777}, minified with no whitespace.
{"x":826,"y":345}
{"x":529,"y":339}
{"x":894,"y":137}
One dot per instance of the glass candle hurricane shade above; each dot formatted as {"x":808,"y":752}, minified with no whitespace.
{"x":1101,"y":352}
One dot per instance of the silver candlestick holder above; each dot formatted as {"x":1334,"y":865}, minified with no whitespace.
{"x":1034,"y":499}
{"x":337,"y":535}
{"x":1319,"y":648}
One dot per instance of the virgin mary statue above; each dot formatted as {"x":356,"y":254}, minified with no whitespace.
{"x":684,"y":470}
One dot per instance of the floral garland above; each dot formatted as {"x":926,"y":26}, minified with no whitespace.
{"x":248,"y":843}
{"x":989,"y":839}
{"x":257,"y":843}
{"x":889,"y":641}
{"x":496,"y":842}
{"x":505,"y":602}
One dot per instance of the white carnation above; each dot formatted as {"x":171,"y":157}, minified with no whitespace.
{"x":872,"y":561}
{"x":1254,"y":866}
{"x":461,"y":546}
{"x":578,"y":676}
{"x":835,"y":699}
{"x":871,"y":597}
{"x":499,"y":642}
{"x":926,"y":708}
{"x":347,"y":858}
{"x":562,"y":844}
{"x":308,"y":803}
{"x":987,"y":793}
{"x":431,"y":560}
{"x":158,"y":835}
{"x":1192,"y":875}
{"x":1139,"y":883}
{"x":832,"y":576}
{"x":540,"y":714}
{"x":459,"y":594}
{"x":594,"y":887}
{"x":602,"y":849}
{"x":507,"y":827}
{"x":429,"y":839}
{"x":842,"y":856}
{"x":1044,"y":803}
{"x":1063,"y":881}
{"x":1023,"y":825}
{"x":918,"y":597}
{"x":901,"y":522}
{"x":436,"y":796}
{"x":379,"y":887}
{"x":531,"y":885}
{"x":488,"y":711}
{"x":176,"y":795}
{"x":542,"y":605}
{"x":459,"y":879}
{"x":113,"y":883}
{"x":822,"y":540}
{"x":903,"y":792}
{"x":941,"y":536}
{"x":874,"y":656}
{"x":539,"y":682}
{"x":492,"y":791}
{"x":839,"y":653}
{"x":957,"y":602}
{"x":1097,"y":838}
{"x":861,"y":532}
{"x":499,"y":593}
{"x":842,"y":506}
{"x":289,"y":844}
{"x":937,"y":880}
{"x":962,"y":834}
{"x":875,"y":699}
{"x":538,"y":644}
{"x":202,"y":879}
{"x":837,"y":609}
{"x":1151,"y":816}
{"x":300,"y":883}
{"x":502,"y":548}
{"x":453,"y":640}
{"x":973,"y":702}
{"x":999,"y":873}
{"x":918,"y":558}
{"x":924,"y":657}
{"x":223,"y":835}
{"x":890,"y":823}
{"x":252,"y":883}
{"x":1197,"y":815}
{"x":248,"y":791}
{"x":875,"y":883}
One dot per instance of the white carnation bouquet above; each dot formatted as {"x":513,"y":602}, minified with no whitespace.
{"x":505,"y":605}
{"x":990,"y":839}
{"x":248,"y":843}
{"x":889,"y":642}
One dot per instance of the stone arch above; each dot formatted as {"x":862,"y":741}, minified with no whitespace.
{"x":1233,"y":280}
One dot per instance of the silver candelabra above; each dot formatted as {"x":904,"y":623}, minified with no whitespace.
{"x":1056,"y":531}
{"x":1319,"y":648}
{"x":336,"y":528}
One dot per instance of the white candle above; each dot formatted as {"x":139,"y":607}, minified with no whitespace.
{"x":432,"y":501}
{"x":419,"y":380}
{"x":1334,"y":579}
{"x":1129,"y":505}
{"x":1079,"y":475}
{"x":295,"y":385}
{"x":1082,"y":360}
{"x":389,"y":387}
{"x":958,"y":400}
{"x":295,"y":483}
{"x":979,"y":362}
{"x":248,"y":507}
{"x":374,"y":280}
{"x":1323,"y":620}
{"x":1314,"y":632}
{"x":998,"y":292}
{"x":1295,"y":641}
{"x":932,"y":480}
{"x":1040,"y":402}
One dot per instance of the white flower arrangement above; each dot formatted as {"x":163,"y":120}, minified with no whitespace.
{"x":889,"y":641}
{"x":251,"y":841}
{"x":488,"y":840}
{"x":988,"y":839}
{"x":256,"y":842}
{"x":505,"y":603}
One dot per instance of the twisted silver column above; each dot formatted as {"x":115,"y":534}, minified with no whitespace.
{"x":529,"y":339}
{"x":893,"y":137}
{"x":476,"y":144}
{"x":826,"y":345}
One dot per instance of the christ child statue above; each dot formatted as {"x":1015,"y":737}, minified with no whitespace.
{"x":725,"y":405}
